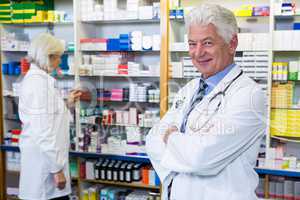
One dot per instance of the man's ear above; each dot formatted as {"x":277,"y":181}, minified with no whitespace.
{"x":233,"y":43}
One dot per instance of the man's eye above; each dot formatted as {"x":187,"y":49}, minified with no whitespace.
{"x":207,"y":43}
{"x":192,"y":44}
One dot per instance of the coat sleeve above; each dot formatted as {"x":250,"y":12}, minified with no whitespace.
{"x":241,"y":126}
{"x":39,"y":108}
{"x":155,"y":146}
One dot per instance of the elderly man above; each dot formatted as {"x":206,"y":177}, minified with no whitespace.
{"x":206,"y":145}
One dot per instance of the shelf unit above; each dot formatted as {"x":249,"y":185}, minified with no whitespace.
{"x":171,"y":30}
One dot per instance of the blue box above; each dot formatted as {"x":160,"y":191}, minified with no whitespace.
{"x":11,"y":68}
{"x":157,"y":180}
{"x":64,"y":62}
{"x":17,"y":70}
{"x":296,"y":26}
{"x":113,"y":44}
{"x":5,"y":67}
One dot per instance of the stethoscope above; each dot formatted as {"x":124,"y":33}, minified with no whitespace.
{"x":194,"y":126}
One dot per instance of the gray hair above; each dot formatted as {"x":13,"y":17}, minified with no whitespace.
{"x":222,"y":18}
{"x":42,"y":47}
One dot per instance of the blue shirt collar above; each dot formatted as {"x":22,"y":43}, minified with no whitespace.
{"x":213,"y":81}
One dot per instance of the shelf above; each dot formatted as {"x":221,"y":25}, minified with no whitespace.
{"x":282,"y":138}
{"x":12,"y":197}
{"x":129,"y":21}
{"x":13,"y":119}
{"x":123,"y":184}
{"x":14,"y":51}
{"x":142,"y":159}
{"x":121,"y":76}
{"x":121,"y":125}
{"x":9,"y":148}
{"x":181,"y":20}
{"x":129,"y":51}
{"x":285,"y":108}
{"x":285,"y":16}
{"x":40,"y":24}
{"x":144,"y":102}
{"x":278,"y":172}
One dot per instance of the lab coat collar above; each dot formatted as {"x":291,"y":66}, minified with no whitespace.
{"x":35,"y":70}
{"x":225,"y":81}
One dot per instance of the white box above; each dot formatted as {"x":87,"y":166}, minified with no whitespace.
{"x":146,"y":12}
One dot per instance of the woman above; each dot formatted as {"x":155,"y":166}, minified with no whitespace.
{"x":44,"y":142}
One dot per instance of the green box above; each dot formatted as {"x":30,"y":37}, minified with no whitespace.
{"x":293,"y":76}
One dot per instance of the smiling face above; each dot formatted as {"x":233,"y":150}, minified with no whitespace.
{"x":209,"y":52}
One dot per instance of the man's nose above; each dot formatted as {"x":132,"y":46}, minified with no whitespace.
{"x":199,"y":51}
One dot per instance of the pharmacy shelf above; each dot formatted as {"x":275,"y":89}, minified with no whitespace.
{"x":14,"y":51}
{"x":121,"y":76}
{"x":40,"y":24}
{"x":9,"y":148}
{"x":278,"y":172}
{"x":111,"y":101}
{"x":238,"y":50}
{"x":285,"y":16}
{"x":282,"y":138}
{"x":12,"y":198}
{"x":128,"y":51}
{"x":13,"y":119}
{"x":181,"y":20}
{"x":286,"y":50}
{"x":286,"y":108}
{"x":120,"y":125}
{"x":122,"y":184}
{"x":142,"y":159}
{"x":130,"y":21}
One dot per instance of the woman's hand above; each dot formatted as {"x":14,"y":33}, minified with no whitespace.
{"x":60,"y":180}
{"x":73,"y":97}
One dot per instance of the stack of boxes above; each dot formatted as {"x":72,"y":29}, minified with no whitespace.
{"x":285,"y":123}
{"x":283,"y":71}
{"x":253,"y":63}
{"x":134,"y":41}
{"x":92,"y":10}
{"x":26,"y":11}
{"x":5,"y":12}
{"x":118,"y":171}
{"x":116,"y":131}
{"x":29,"y":12}
{"x":285,"y":7}
{"x":282,"y":95}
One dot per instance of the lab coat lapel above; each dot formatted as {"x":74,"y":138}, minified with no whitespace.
{"x":234,"y":72}
{"x":203,"y":115}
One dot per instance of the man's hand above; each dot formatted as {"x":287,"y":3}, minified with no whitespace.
{"x":169,"y":131}
{"x":60,"y":180}
{"x":73,"y":97}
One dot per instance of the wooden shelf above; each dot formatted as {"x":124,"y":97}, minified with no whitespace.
{"x":122,"y":184}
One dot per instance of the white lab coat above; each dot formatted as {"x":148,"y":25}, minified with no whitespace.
{"x":44,"y":141}
{"x":214,"y":161}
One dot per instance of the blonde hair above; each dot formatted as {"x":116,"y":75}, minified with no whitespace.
{"x":222,"y":18}
{"x":42,"y":47}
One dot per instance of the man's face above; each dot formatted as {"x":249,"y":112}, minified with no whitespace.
{"x":209,"y":51}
